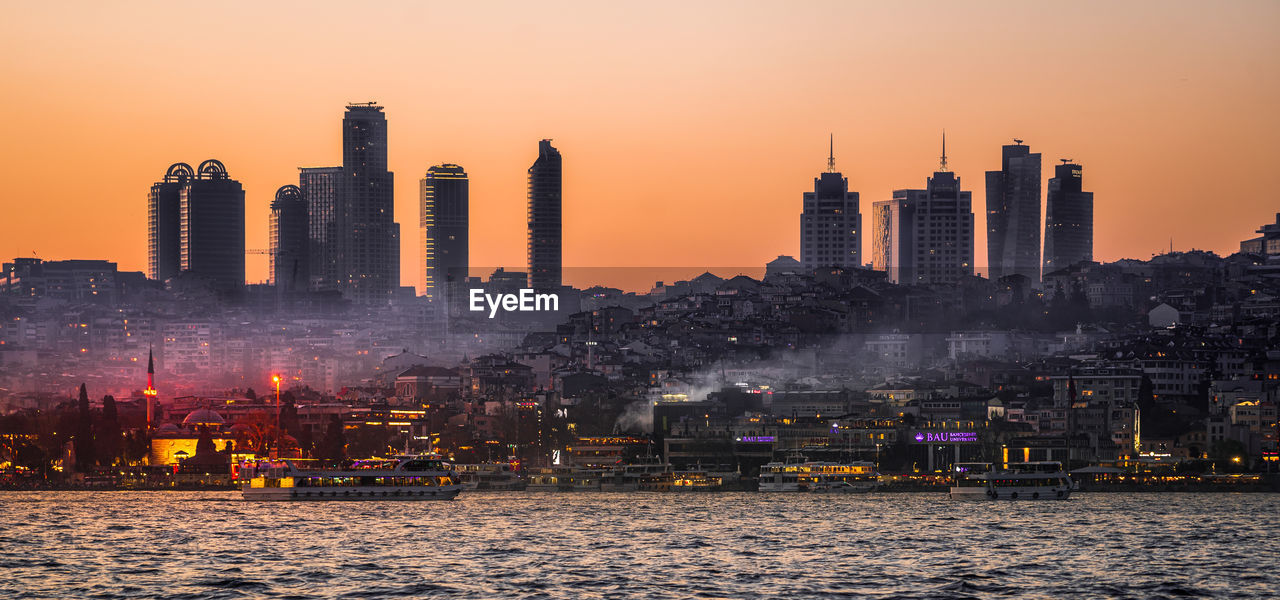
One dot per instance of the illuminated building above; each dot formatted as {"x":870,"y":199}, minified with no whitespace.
{"x":290,"y":256}
{"x":163,"y":225}
{"x":925,"y":236}
{"x":445,"y":196}
{"x":1068,"y":223}
{"x":369,"y":259}
{"x":544,"y":218}
{"x":831,"y":223}
{"x":1267,"y":244}
{"x":320,"y":188}
{"x":1013,"y":214}
{"x":211,"y":233}
{"x":96,"y":281}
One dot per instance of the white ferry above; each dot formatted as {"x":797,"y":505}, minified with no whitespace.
{"x":490,"y":476}
{"x":968,"y":481}
{"x":1029,"y":481}
{"x":821,"y":477}
{"x":636,"y":476}
{"x":399,"y":478}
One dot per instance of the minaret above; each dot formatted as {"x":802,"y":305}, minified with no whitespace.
{"x":150,"y":392}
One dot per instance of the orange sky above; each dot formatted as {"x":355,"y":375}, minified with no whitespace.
{"x":689,"y":129}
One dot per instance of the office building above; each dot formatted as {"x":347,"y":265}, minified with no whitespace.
{"x":445,"y":197}
{"x":1013,"y":214}
{"x":544,"y":219}
{"x":321,"y":192}
{"x":831,"y":223}
{"x":211,"y":233}
{"x":369,"y":259}
{"x":925,"y":236}
{"x":164,"y":205}
{"x":1068,"y":223}
{"x":290,"y":254}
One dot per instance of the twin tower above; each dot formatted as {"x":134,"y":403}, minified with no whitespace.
{"x":335,"y":231}
{"x":926,"y":236}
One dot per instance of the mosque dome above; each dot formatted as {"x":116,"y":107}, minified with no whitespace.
{"x":205,"y":417}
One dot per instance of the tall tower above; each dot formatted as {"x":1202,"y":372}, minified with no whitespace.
{"x":164,"y":228}
{"x":1013,"y":214}
{"x":544,"y":218}
{"x":929,"y":232}
{"x":212,"y":227}
{"x":1068,"y":223}
{"x":150,"y":392}
{"x":370,"y":249}
{"x":831,"y":223}
{"x":445,"y":210}
{"x":321,"y":191}
{"x":290,"y":255}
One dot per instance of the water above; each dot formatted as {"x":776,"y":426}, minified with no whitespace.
{"x":544,"y":545}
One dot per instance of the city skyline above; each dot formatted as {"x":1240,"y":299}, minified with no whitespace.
{"x":1195,"y":93}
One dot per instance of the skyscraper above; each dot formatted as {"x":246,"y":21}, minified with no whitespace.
{"x":211,"y":234}
{"x":321,"y":191}
{"x":1013,"y":214}
{"x":1068,"y":223}
{"x":290,"y":255}
{"x":164,"y":225}
{"x":831,"y":223}
{"x":444,"y":192}
{"x":926,"y":236}
{"x":544,"y":218}
{"x":370,"y":248}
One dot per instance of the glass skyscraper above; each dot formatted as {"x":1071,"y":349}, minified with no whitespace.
{"x":544,"y":219}
{"x":445,"y":197}
{"x":1013,"y":214}
{"x":1068,"y":223}
{"x":831,"y":222}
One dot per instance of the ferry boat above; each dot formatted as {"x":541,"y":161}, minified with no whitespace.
{"x":814,"y":476}
{"x":490,"y":476}
{"x":398,"y":478}
{"x":967,"y":481}
{"x":636,"y":476}
{"x":551,"y":479}
{"x":1045,"y":480}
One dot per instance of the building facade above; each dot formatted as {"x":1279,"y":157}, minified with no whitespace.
{"x":831,"y":222}
{"x":1013,"y":214}
{"x":445,"y":245}
{"x":925,"y":237}
{"x":1068,"y":223}
{"x":893,"y":237}
{"x":321,"y":189}
{"x":545,"y":218}
{"x":164,"y":205}
{"x":211,"y":233}
{"x":290,"y":254}
{"x":370,"y":249}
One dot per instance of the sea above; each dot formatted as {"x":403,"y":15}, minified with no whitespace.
{"x":213,"y":545}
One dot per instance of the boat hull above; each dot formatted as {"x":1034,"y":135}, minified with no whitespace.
{"x":353,"y":493}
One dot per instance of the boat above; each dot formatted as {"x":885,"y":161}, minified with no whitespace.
{"x":967,"y":482}
{"x":1044,"y":480}
{"x":798,"y":475}
{"x":551,"y":479}
{"x":398,"y":478}
{"x":636,"y":476}
{"x":500,"y":476}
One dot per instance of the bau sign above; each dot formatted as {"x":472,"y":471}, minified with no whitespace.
{"x":946,"y":437}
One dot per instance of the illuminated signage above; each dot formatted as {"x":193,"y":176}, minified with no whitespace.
{"x":759,"y":438}
{"x":946,"y":437}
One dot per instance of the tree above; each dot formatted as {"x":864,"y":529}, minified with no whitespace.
{"x":109,"y":433}
{"x":83,"y":441}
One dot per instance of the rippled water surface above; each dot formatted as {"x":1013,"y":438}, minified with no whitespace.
{"x":740,"y":545}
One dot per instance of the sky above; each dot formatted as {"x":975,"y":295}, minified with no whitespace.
{"x":689,"y":130}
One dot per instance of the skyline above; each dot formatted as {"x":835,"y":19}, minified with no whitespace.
{"x":663,"y":132}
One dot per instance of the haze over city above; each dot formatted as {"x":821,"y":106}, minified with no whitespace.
{"x":689,"y":131}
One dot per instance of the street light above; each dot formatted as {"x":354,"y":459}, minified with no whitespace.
{"x":276,"y":380}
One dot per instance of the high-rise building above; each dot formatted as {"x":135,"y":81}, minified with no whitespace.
{"x":444,"y":193}
{"x":1013,"y":214}
{"x":831,"y":223}
{"x":211,"y":235}
{"x":370,"y":248}
{"x":544,"y":218}
{"x":321,"y":191}
{"x":164,"y":226}
{"x":926,"y":236}
{"x":1068,"y":222}
{"x":290,"y":254}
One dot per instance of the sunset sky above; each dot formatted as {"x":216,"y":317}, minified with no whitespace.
{"x":689,"y":129}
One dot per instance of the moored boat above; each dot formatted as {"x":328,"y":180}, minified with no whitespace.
{"x":398,"y":478}
{"x":1044,"y":480}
